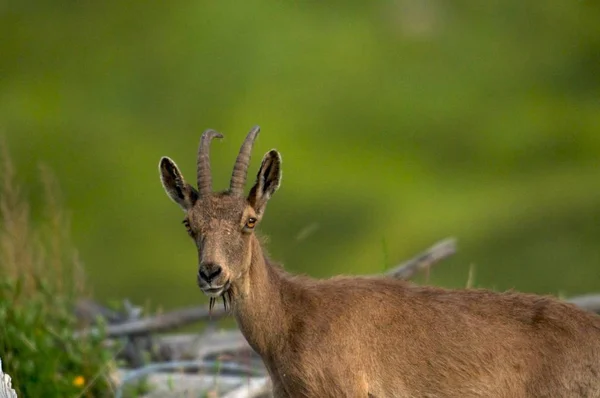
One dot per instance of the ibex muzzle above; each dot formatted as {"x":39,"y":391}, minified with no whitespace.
{"x":213,"y":277}
{"x":375,"y":337}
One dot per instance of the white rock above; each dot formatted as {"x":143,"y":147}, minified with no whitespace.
{"x":6,"y":390}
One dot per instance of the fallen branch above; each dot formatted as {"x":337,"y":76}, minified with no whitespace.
{"x":163,"y":322}
{"x":590,"y":302}
{"x":436,"y":253}
{"x":256,"y":388}
{"x":205,"y":345}
{"x":206,"y":367}
{"x":446,"y":248}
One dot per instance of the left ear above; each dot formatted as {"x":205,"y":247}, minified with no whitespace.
{"x":267,"y":181}
{"x":175,"y":186}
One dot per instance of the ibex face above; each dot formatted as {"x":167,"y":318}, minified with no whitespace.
{"x":221,"y":224}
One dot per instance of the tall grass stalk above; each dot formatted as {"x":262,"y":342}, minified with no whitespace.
{"x":41,"y":279}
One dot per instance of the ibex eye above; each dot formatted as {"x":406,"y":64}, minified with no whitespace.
{"x":250,"y":223}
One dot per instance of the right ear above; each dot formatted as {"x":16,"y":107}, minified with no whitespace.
{"x":267,"y":181}
{"x":177,"y":189}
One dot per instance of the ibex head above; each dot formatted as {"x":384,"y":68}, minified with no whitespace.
{"x":222,"y":224}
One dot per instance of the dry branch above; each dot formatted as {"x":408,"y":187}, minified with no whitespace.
{"x":590,"y":302}
{"x":255,"y":389}
{"x":163,"y":322}
{"x":205,"y":345}
{"x":197,"y":366}
{"x":436,"y":253}
{"x":166,"y":321}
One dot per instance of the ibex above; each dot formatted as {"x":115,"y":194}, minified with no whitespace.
{"x":374,"y":336}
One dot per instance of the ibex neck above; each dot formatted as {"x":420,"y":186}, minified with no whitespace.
{"x":258,"y":305}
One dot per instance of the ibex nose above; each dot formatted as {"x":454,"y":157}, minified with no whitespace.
{"x":208,"y":272}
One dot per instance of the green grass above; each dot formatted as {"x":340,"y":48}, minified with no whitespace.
{"x":40,"y":281}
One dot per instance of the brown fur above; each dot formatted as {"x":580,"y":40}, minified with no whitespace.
{"x":381,"y":337}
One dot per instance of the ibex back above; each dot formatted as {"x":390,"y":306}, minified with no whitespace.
{"x":369,"y":336}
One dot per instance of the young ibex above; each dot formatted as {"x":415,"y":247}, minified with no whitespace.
{"x":370,"y":336}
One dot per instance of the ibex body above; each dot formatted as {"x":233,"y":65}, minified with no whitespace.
{"x":375,"y":337}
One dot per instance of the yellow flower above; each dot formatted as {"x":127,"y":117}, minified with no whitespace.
{"x":79,"y":381}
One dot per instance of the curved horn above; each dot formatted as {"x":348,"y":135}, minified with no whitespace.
{"x":203,"y":176}
{"x":240,"y":169}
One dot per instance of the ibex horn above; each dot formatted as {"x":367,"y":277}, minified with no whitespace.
{"x":240,"y":169}
{"x":204,"y":176}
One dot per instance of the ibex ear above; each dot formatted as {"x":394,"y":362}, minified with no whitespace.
{"x":267,"y":181}
{"x":177,"y":189}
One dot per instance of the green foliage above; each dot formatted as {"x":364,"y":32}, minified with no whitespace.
{"x":137,"y":389}
{"x":40,"y":282}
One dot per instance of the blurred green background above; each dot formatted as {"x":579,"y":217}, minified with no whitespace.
{"x":400,"y":122}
